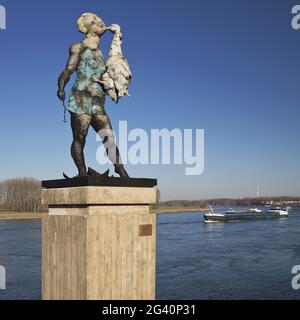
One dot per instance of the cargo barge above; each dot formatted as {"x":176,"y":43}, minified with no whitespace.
{"x":251,"y":214}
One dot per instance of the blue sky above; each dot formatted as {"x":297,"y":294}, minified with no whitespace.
{"x":230,"y":67}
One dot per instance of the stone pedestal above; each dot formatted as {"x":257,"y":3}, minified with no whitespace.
{"x":99,"y":242}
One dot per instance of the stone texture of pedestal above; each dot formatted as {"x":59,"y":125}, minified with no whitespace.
{"x":99,"y":242}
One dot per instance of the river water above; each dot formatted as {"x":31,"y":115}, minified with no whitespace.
{"x":240,"y":260}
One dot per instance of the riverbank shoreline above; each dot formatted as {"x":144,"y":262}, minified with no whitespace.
{"x":162,"y":210}
{"x":11,"y":215}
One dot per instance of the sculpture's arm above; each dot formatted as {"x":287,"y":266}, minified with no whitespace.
{"x":74,"y":57}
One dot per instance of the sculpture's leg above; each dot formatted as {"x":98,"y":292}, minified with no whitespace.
{"x":102,"y":125}
{"x":80,"y":125}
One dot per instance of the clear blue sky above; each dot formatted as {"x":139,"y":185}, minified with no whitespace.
{"x":231,"y":67}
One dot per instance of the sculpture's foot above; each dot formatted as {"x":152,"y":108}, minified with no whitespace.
{"x":78,"y":176}
{"x":65,"y":176}
{"x":93,"y":173}
{"x":121,"y":172}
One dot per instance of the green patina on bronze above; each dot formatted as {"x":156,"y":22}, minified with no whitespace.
{"x":87,"y":96}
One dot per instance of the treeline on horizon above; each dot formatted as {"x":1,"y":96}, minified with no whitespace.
{"x":25,"y":195}
{"x":21,"y":195}
{"x":227,"y":202}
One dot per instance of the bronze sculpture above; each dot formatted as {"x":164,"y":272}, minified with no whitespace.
{"x":94,"y":81}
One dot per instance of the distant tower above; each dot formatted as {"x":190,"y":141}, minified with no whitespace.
{"x":258,"y":189}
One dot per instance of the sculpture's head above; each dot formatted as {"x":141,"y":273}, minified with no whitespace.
{"x":91,"y":23}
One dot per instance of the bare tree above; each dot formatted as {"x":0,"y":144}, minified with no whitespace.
{"x":21,"y":194}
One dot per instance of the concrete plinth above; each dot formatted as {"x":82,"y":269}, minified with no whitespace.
{"x":99,"y":242}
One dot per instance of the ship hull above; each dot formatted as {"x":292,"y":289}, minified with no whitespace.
{"x":235,"y":217}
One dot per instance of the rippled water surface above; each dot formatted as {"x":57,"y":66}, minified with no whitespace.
{"x":244,"y":260}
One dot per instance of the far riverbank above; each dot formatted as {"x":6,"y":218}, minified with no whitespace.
{"x":11,"y":215}
{"x":171,"y":209}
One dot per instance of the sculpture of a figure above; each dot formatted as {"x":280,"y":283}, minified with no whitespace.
{"x":87,"y":97}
